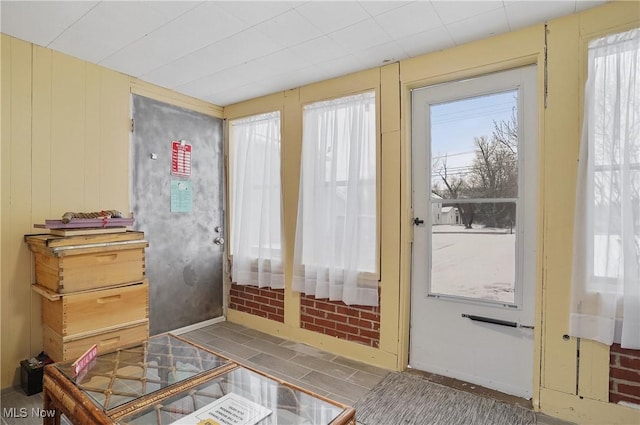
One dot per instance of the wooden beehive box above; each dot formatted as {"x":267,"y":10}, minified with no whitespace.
{"x":93,"y":312}
{"x":84,"y":262}
{"x":61,"y":348}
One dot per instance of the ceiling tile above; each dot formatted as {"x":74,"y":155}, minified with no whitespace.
{"x":188,"y":33}
{"x":455,"y":11}
{"x":381,"y":55}
{"x":319,"y":50}
{"x":377,"y":7}
{"x":255,"y":12}
{"x":478,"y":27}
{"x":283,"y":61}
{"x":110,"y":26}
{"x":40,"y":22}
{"x":325,"y":17}
{"x":231,"y":51}
{"x":524,"y":13}
{"x":410,"y":19}
{"x":289,"y":29}
{"x":360,"y":36}
{"x":206,"y":24}
{"x":342,"y":66}
{"x":426,"y":42}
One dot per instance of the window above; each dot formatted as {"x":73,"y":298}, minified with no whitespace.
{"x":605,"y":304}
{"x":336,"y":236}
{"x":256,"y":201}
{"x":475,"y":196}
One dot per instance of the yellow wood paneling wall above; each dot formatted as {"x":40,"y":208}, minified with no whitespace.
{"x":65,"y":147}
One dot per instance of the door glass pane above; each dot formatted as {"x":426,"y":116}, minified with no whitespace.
{"x":474,"y":147}
{"x":477,"y":262}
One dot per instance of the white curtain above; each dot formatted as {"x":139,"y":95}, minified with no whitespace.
{"x":336,"y":239}
{"x":605,"y":299}
{"x":256,"y":201}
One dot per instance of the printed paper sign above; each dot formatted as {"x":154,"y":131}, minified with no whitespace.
{"x":230,"y":409}
{"x":181,"y":196}
{"x":180,"y":158}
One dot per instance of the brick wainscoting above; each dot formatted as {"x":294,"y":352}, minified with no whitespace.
{"x":354,"y":323}
{"x":263,"y":302}
{"x":624,"y":375}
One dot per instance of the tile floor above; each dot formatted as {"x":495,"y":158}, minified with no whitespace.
{"x":335,"y":377}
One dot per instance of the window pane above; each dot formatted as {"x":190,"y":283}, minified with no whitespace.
{"x":477,"y":262}
{"x":338,"y":188}
{"x":255,"y":186}
{"x":474,"y":147}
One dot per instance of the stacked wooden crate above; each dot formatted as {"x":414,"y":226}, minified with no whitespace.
{"x":93,"y":291}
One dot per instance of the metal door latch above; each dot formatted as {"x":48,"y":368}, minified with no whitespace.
{"x":418,"y":221}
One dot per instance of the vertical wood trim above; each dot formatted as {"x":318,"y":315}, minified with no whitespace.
{"x":16,"y":207}
{"x":390,"y":241}
{"x":67,"y":134}
{"x":390,"y":97}
{"x":115,"y":144}
{"x":6,"y":93}
{"x":593,"y":380}
{"x":92,"y":129}
{"x":291,"y":151}
{"x":561,"y":138}
{"x":41,"y":158}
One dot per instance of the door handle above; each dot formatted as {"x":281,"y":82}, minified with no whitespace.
{"x":218,"y":241}
{"x":418,"y":221}
{"x":490,"y":320}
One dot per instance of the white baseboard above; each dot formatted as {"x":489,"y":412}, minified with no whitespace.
{"x":198,"y":325}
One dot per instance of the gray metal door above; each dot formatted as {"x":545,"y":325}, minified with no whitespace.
{"x":181,"y":215}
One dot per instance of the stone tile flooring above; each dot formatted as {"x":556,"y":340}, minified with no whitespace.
{"x":335,"y":377}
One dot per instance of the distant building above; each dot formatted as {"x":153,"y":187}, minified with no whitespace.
{"x":444,"y":215}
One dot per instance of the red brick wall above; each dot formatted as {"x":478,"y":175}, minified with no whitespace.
{"x":263,"y":302}
{"x":360,"y":324}
{"x":624,"y":375}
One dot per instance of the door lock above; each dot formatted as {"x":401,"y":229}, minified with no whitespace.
{"x":418,"y":221}
{"x":218,"y":241}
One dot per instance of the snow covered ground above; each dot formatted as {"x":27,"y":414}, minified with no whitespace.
{"x":476,"y":263}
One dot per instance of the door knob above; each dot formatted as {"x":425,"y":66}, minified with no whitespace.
{"x":218,"y":241}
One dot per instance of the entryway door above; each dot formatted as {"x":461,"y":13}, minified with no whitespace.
{"x":474,"y":162}
{"x":177,"y":201}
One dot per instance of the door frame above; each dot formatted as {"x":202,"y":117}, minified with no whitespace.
{"x":465,"y":65}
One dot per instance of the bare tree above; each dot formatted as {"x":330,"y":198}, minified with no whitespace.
{"x":494,"y":173}
{"x":454,"y":188}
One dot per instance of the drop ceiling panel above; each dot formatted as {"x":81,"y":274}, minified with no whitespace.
{"x":324,"y":17}
{"x":289,"y":29}
{"x":456,"y":11}
{"x":361,"y":36}
{"x":93,"y":37}
{"x":41,"y":22}
{"x":375,"y":8}
{"x":409,"y":19}
{"x":480,"y":26}
{"x":224,"y":54}
{"x":319,"y":50}
{"x":527,"y":13}
{"x":427,"y":41}
{"x":255,"y":12}
{"x":379,"y":55}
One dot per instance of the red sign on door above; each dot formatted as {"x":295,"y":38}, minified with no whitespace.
{"x":180,"y":158}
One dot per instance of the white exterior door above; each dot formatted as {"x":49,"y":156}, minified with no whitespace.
{"x":474,"y":157}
